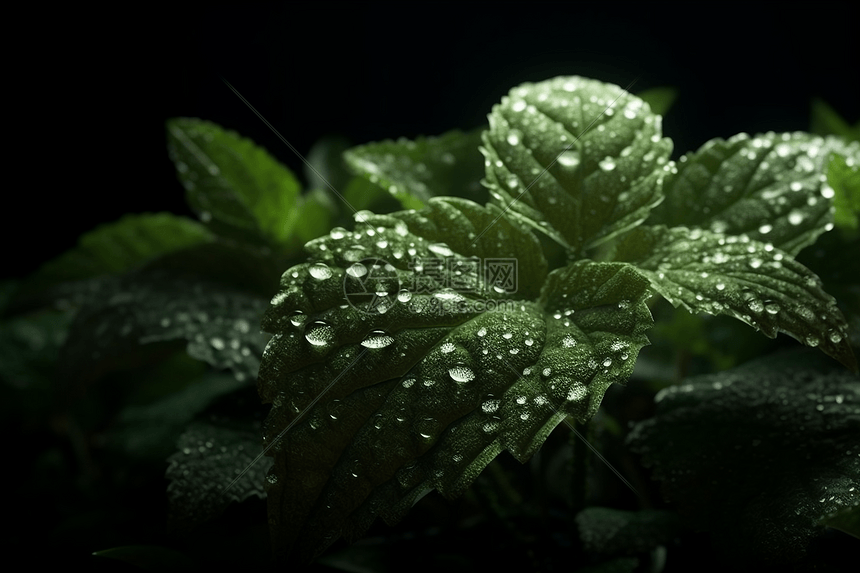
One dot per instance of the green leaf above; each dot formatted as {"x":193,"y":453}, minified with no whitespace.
{"x":844,"y":178}
{"x":251,"y":268}
{"x":220,"y":325}
{"x":756,"y":283}
{"x":825,"y":121}
{"x":209,"y":456}
{"x":232,"y":183}
{"x":578,"y":159}
{"x":327,"y":167}
{"x":151,"y":557}
{"x":151,"y":430}
{"x":610,"y":532}
{"x":845,"y":519}
{"x":361,"y":194}
{"x":771,"y":187}
{"x":422,"y":387}
{"x":316,"y":213}
{"x":121,"y":246}
{"x":759,"y":454}
{"x":659,"y":99}
{"x":29,"y":345}
{"x":414,"y":171}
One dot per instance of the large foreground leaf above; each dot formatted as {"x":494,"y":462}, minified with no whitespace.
{"x":759,"y":454}
{"x":421,"y":387}
{"x":754,"y":282}
{"x":580,"y":160}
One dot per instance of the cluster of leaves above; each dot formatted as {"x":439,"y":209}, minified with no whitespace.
{"x":423,"y":394}
{"x":387,"y":381}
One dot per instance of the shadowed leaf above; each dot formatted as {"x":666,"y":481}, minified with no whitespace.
{"x":758,"y":454}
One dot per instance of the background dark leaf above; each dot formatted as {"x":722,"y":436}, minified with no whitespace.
{"x":758,"y":454}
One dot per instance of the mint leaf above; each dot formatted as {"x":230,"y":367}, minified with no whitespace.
{"x":771,"y":187}
{"x":428,"y":383}
{"x":326,"y":165}
{"x":123,"y":245}
{"x":844,"y":178}
{"x":845,"y":519}
{"x":578,"y":159}
{"x":232,"y":183}
{"x":759,"y":454}
{"x":609,"y":532}
{"x":825,"y":121}
{"x":218,"y":323}
{"x":414,"y":171}
{"x":659,"y":99}
{"x":150,"y":431}
{"x":755,"y":282}
{"x":209,"y":456}
{"x":315,"y":216}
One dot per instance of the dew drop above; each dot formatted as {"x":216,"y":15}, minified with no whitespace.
{"x":577,"y":392}
{"x":447,"y":348}
{"x":771,"y":308}
{"x":568,"y":341}
{"x":765,"y":229}
{"x":812,"y":340}
{"x":482,"y":331}
{"x":441,"y":249}
{"x":356,"y":270}
{"x":461,"y":373}
{"x":404,"y":296}
{"x":298,"y":318}
{"x":490,"y":406}
{"x":795,"y":217}
{"x":320,"y":271}
{"x":377,"y":339}
{"x":569,"y":158}
{"x":319,"y":333}
{"x":608,"y":164}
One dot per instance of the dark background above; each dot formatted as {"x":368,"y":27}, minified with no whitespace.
{"x":93,"y":104}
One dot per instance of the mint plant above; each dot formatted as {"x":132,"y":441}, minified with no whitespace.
{"x":504,"y":280}
{"x":375,"y":402}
